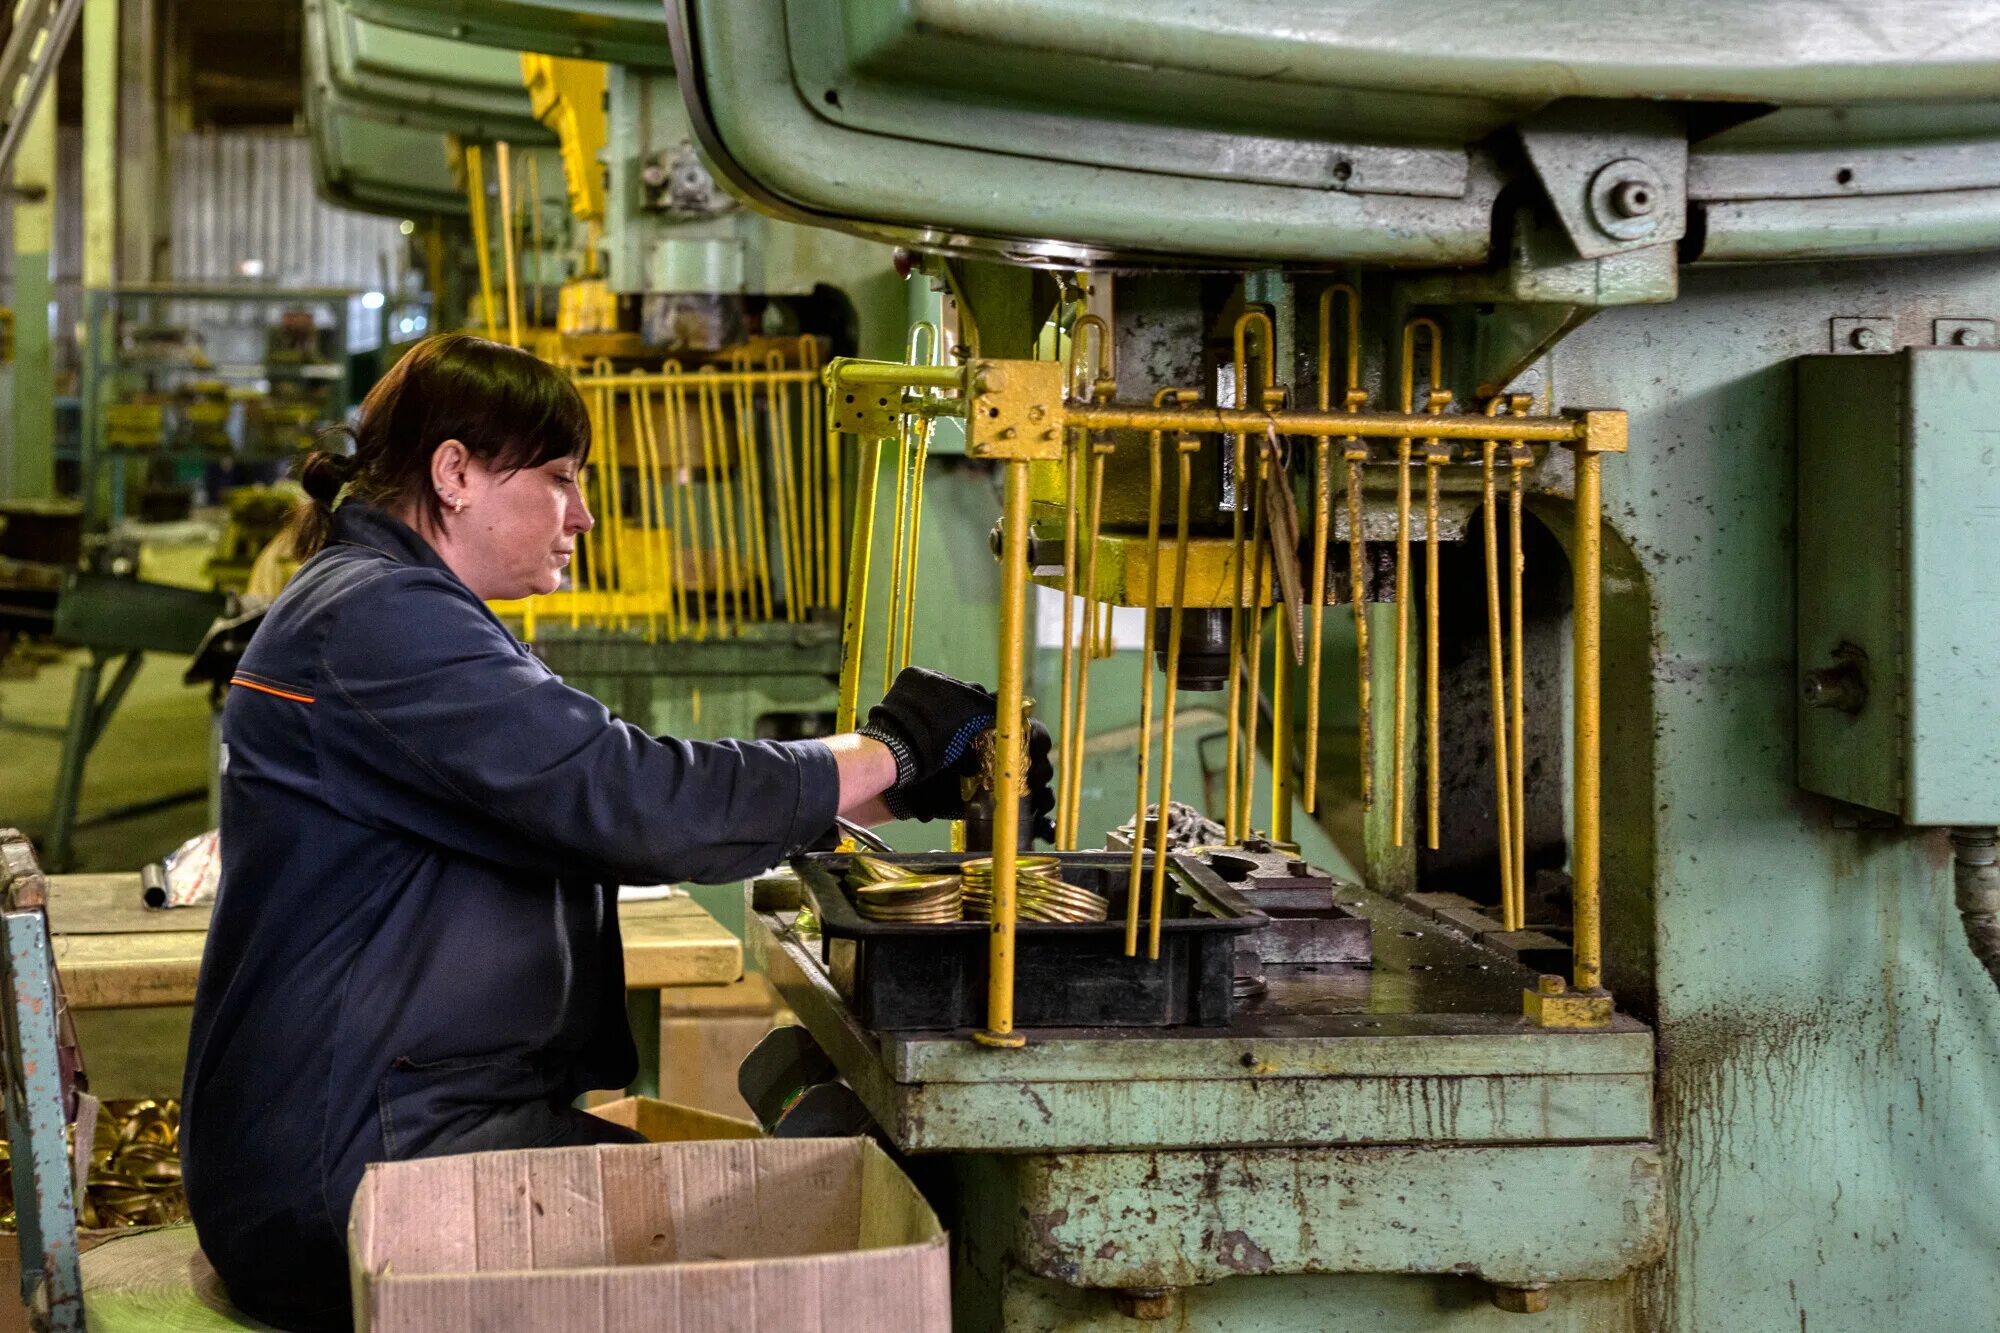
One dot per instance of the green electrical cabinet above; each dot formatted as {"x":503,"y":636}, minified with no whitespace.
{"x":1899,"y":592}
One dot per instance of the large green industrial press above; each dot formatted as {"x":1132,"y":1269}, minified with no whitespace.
{"x":1671,"y":1021}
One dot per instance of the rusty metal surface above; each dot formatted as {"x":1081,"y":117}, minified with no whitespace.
{"x":1176,"y":1219}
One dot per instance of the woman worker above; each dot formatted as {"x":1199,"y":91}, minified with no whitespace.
{"x":415,"y":949}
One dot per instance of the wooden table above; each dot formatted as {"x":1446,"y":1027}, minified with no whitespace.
{"x":115,"y":953}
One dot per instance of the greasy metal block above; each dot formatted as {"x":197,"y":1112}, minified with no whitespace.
{"x":1507,"y":1214}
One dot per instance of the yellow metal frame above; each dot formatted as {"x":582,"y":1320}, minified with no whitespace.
{"x":1049,"y":424}
{"x":659,"y":568}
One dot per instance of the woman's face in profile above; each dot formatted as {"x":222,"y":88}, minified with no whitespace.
{"x":519,"y":532}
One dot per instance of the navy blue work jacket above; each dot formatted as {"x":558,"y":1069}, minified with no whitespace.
{"x":415,"y":949}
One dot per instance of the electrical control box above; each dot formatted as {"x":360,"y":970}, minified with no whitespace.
{"x":1899,"y":582}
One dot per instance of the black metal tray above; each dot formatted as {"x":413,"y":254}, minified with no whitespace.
{"x":900,"y":977}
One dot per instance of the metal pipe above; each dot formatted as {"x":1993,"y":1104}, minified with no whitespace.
{"x":1322,"y":502}
{"x":1584,"y":856}
{"x":1975,"y":872}
{"x":1186,"y":446}
{"x":1009,"y":753}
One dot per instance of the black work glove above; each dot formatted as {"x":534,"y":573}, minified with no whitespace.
{"x":929,"y":721}
{"x":941,"y":797}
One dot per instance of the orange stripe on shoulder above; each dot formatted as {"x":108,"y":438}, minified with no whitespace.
{"x":266,"y":689}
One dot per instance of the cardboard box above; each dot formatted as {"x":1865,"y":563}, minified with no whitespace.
{"x":777,"y":1235}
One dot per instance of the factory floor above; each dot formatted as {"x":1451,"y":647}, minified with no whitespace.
{"x":154,"y":751}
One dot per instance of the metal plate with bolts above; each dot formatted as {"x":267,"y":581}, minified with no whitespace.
{"x":1963,"y":333}
{"x":1873,"y":333}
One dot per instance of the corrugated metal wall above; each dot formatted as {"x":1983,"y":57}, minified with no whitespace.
{"x":247,"y":198}
{"x":236,"y":196}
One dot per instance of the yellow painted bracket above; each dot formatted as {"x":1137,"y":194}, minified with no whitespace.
{"x":1016,"y":411}
{"x":1552,"y":1004}
{"x":568,"y":96}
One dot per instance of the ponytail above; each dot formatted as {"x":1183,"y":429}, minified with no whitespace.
{"x":324,"y":475}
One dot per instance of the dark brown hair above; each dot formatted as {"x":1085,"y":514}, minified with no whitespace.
{"x":508,"y":407}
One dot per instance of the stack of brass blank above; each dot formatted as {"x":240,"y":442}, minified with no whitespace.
{"x":887,"y":892}
{"x":1039,"y":892}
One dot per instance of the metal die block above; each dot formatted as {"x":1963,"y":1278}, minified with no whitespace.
{"x":1016,"y":410}
{"x":1178,"y":1219}
{"x":1898,"y":601}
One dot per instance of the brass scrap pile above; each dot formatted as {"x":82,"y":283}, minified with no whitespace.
{"x":135,"y":1168}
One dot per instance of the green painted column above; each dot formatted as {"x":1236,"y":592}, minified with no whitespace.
{"x":100,"y":143}
{"x":34,"y":469}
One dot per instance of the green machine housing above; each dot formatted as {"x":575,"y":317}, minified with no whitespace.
{"x":1899,"y":590}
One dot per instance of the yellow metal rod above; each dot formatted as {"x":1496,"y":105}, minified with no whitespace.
{"x":1281,"y":737}
{"x":1073,"y":472}
{"x":1322,"y":502}
{"x":1357,"y":579}
{"x":1431,"y":596}
{"x":854,"y":624}
{"x":890,"y":374}
{"x":1236,"y":779}
{"x":916,"y":528}
{"x":751,"y":457}
{"x":1364,"y":425}
{"x":687,"y":532}
{"x":1009,"y":754}
{"x":583,"y":574}
{"x":1588,"y":629}
{"x":1145,"y":704}
{"x":534,"y":202}
{"x":1074,"y":795}
{"x":507,"y":243}
{"x":785,"y":485}
{"x":801,"y":470}
{"x":1398,"y":760}
{"x":1186,"y":447}
{"x":1517,"y":736}
{"x":1510,"y":907}
{"x":1260,"y":579}
{"x":900,"y":578}
{"x":713,"y":552}
{"x":664,"y":534}
{"x":475,"y":203}
{"x":648,"y":521}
